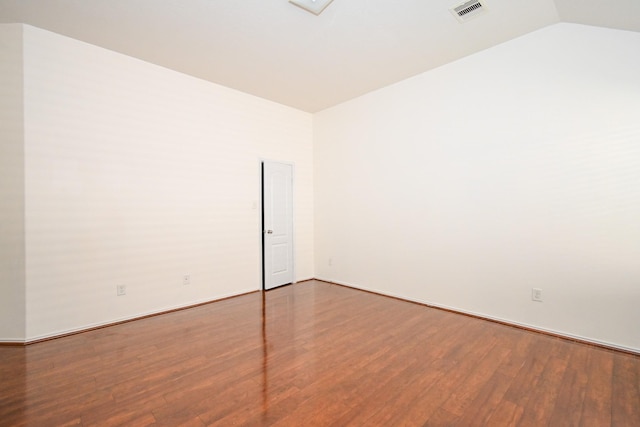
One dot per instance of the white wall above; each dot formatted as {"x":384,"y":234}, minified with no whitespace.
{"x":137,"y":175}
{"x":514,"y":168}
{"x":464,"y":187}
{"x":12,"y":263}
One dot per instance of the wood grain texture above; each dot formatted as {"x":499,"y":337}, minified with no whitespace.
{"x":316,"y":354}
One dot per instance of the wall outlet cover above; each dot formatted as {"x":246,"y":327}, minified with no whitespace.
{"x":536,"y":294}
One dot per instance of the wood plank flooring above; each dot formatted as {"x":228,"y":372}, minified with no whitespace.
{"x":316,"y":354}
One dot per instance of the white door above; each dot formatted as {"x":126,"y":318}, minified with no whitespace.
{"x":277,"y":222}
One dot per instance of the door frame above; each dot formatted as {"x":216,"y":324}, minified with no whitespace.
{"x":261,"y":162}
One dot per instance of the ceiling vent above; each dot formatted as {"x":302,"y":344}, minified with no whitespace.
{"x":468,"y":10}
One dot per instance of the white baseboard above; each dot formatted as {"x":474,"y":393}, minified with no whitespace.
{"x":554,"y":332}
{"x":97,"y":325}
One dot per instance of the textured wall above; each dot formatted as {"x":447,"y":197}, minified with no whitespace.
{"x":469,"y":185}
{"x":12,"y":259}
{"x":137,"y":175}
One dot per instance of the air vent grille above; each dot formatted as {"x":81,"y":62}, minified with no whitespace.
{"x":468,"y":10}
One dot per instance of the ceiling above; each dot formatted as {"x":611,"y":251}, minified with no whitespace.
{"x":275,"y":50}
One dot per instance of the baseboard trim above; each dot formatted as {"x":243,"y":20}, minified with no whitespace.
{"x":22,"y":343}
{"x":118,"y":322}
{"x":556,"y":334}
{"x":529,"y":328}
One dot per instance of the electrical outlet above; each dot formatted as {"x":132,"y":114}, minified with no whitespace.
{"x":536,"y":294}
{"x":330,"y":262}
{"x":186,"y":279}
{"x":121,"y":290}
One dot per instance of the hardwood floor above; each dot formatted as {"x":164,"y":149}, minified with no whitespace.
{"x":316,"y":354}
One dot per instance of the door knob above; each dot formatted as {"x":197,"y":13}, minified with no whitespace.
{"x":269,"y":231}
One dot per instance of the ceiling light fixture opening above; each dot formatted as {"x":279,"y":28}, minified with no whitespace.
{"x":313,"y":6}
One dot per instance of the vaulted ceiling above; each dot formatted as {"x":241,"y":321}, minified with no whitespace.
{"x":275,"y":50}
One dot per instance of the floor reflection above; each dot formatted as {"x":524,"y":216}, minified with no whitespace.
{"x":286,"y":316}
{"x":265,"y":355}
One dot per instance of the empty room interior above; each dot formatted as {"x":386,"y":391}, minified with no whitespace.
{"x":331,"y":213}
